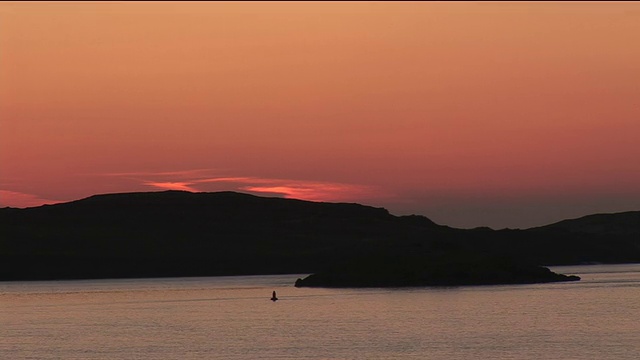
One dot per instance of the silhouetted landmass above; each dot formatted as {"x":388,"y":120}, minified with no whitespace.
{"x":458,"y":271}
{"x":176,"y":233}
{"x":620,"y":224}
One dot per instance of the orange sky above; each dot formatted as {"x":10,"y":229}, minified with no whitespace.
{"x":499,"y":114}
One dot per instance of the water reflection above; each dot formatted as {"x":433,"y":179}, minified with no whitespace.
{"x":233,"y":318}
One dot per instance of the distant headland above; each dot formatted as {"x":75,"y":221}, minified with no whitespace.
{"x":178,"y":233}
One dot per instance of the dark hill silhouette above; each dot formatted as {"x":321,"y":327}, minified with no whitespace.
{"x":177,"y":233}
{"x":624,"y":223}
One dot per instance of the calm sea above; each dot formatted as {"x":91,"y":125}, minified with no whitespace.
{"x":232,"y":318}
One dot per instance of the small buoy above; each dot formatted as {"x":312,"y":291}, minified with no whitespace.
{"x":273,"y":297}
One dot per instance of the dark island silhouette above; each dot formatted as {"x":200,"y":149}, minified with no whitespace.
{"x":178,"y":233}
{"x":460,"y":270}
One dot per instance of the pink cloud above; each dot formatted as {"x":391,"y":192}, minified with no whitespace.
{"x":237,"y":179}
{"x":177,"y":173}
{"x":169,"y":185}
{"x":315,"y":191}
{"x":298,"y":189}
{"x":197,"y":180}
{"x":22,"y":200}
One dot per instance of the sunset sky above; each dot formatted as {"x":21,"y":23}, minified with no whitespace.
{"x":470,"y":113}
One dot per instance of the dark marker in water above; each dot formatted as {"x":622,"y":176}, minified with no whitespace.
{"x":273,"y":297}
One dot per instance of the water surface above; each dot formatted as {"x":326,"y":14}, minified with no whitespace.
{"x":233,"y":318}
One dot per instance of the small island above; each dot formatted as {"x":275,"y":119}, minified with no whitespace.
{"x":440,"y":273}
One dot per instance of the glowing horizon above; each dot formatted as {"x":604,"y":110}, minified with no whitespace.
{"x":504,"y":114}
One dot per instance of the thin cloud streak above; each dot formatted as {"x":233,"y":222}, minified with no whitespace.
{"x":298,"y":189}
{"x":179,"y":173}
{"x":22,"y":200}
{"x":194,"y":181}
{"x":240,"y":179}
{"x":315,"y":191}
{"x":169,"y":185}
